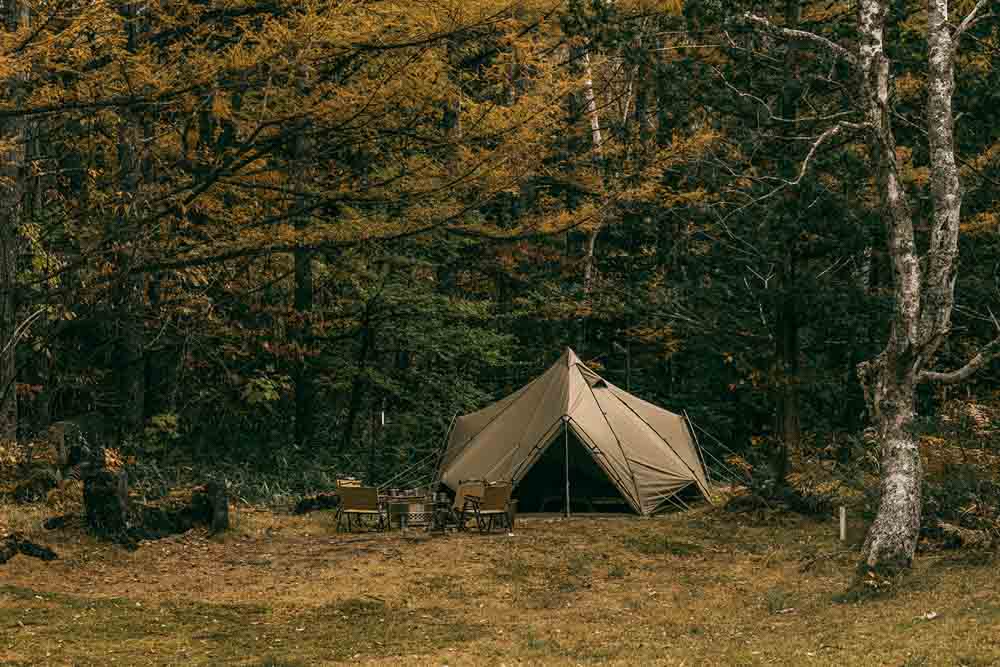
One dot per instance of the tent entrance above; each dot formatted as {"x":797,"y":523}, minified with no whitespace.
{"x":543,"y":488}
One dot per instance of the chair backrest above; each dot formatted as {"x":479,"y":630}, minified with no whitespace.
{"x":349,"y":481}
{"x":358,"y":498}
{"x":467,"y":489}
{"x":496,"y":497}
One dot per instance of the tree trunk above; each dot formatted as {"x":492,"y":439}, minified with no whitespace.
{"x":130,"y":299}
{"x":923,"y":301}
{"x":892,"y":538}
{"x":890,"y":379}
{"x":598,"y":141}
{"x":12,"y":177}
{"x":162,"y":362}
{"x":303,"y":375}
{"x":358,"y":385}
{"x":304,"y":387}
{"x":787,"y":320}
{"x":788,"y":421}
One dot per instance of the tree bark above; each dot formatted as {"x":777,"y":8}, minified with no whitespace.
{"x":787,"y":320}
{"x":596,"y":136}
{"x":923,"y":300}
{"x":130,"y":299}
{"x":12,"y":178}
{"x":303,"y":375}
{"x":359,"y":383}
{"x":889,"y":379}
{"x":304,"y":386}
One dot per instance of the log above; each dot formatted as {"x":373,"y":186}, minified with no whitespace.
{"x":15,"y":543}
{"x":321,"y":501}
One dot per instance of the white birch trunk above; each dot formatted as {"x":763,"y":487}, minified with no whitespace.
{"x":595,"y":131}
{"x":924,"y":301}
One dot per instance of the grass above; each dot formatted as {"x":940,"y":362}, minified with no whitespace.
{"x":703,"y":587}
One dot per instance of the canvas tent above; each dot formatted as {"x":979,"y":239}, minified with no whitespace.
{"x":647,"y":453}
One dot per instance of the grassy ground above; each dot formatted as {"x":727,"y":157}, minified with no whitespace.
{"x":701,"y":588}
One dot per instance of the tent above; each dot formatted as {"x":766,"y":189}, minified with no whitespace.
{"x":648,"y":453}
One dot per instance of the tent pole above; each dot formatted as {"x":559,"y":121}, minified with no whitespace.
{"x":566,"y":448}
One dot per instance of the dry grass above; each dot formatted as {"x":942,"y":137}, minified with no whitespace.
{"x":698,"y":588}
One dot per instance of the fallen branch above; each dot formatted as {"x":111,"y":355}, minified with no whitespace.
{"x":14,"y":543}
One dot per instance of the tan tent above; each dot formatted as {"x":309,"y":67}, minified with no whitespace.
{"x":647,"y":452}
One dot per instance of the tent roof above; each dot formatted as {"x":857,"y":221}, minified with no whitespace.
{"x":646,"y":451}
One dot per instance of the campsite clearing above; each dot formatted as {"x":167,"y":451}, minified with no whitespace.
{"x":703,"y":587}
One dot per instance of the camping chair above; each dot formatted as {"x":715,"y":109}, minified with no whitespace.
{"x":494,"y":506}
{"x":468,"y":491}
{"x":359,"y":503}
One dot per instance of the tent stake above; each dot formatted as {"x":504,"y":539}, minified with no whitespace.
{"x":566,"y":448}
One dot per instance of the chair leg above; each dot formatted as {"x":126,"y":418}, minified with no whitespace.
{"x":340,"y":517}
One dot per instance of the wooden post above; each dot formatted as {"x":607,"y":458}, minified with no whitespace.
{"x":843,"y":523}
{"x":566,"y":448}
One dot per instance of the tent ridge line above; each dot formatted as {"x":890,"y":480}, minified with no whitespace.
{"x":493,"y":419}
{"x":658,"y":435}
{"x":497,"y":415}
{"x":531,"y":419}
{"x":628,"y":465}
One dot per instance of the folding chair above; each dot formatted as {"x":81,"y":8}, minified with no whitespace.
{"x":493,"y":507}
{"x":468,"y":491}
{"x":359,"y":503}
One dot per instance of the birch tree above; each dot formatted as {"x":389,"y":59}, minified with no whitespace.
{"x":923,"y":280}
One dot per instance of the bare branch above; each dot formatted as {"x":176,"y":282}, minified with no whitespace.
{"x":832,"y":48}
{"x":985,"y":356}
{"x":820,"y":140}
{"x":972,"y":19}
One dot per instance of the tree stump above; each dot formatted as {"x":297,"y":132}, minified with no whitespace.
{"x":63,"y":437}
{"x":212,"y":506}
{"x":105,"y":500}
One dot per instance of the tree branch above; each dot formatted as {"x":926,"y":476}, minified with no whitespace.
{"x":972,"y":19}
{"x":832,"y":48}
{"x":984,"y":357}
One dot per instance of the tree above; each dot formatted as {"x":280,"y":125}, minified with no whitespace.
{"x":924,"y":285}
{"x":923,"y":282}
{"x":14,"y":139}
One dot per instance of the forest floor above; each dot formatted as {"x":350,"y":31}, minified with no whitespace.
{"x":700,"y":588}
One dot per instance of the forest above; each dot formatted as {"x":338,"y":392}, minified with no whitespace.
{"x":264,"y":245}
